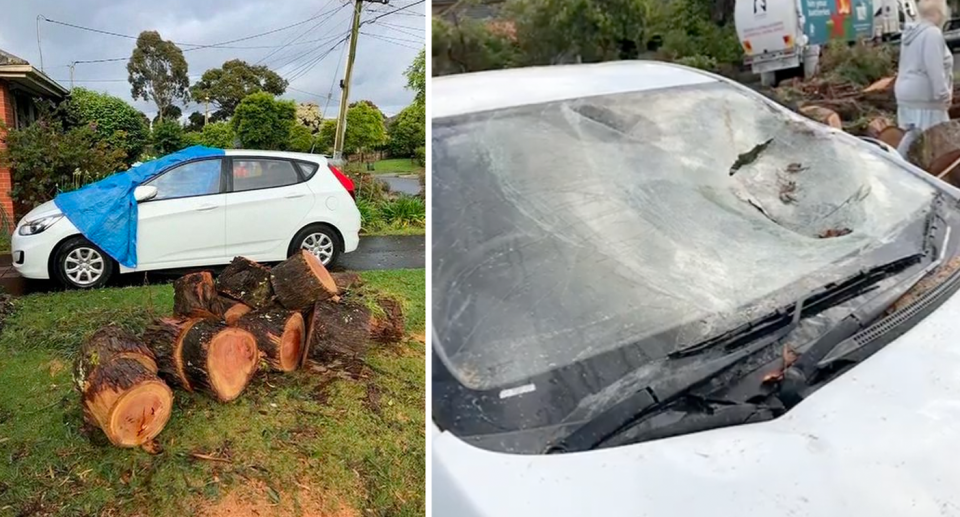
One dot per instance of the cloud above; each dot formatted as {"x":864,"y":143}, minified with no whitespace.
{"x":383,"y":52}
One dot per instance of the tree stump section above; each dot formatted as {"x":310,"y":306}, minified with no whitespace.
{"x":279,"y":334}
{"x":120,"y":391}
{"x":164,"y":337}
{"x":936,"y":148}
{"x":337,"y":331}
{"x":301,"y":280}
{"x":346,"y":280}
{"x":388,"y":327}
{"x":822,"y":115}
{"x":246,"y":281}
{"x":193,"y":294}
{"x":217,"y":359}
{"x":229,"y":310}
{"x":892,"y":136}
{"x":877,"y":125}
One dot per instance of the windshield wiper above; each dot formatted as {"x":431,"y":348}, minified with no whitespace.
{"x":771,"y":327}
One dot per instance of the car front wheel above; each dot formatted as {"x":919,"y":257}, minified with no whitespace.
{"x":321,"y":241}
{"x":81,"y":264}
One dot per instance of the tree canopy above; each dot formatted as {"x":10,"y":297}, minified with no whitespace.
{"x":263,"y":122}
{"x":228,"y":85}
{"x":408,"y":130}
{"x":365,"y":128}
{"x":115,"y":122}
{"x":157,"y":71}
{"x":416,"y":77}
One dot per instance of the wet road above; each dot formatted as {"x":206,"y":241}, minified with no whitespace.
{"x":389,"y":252}
{"x":405,"y":185}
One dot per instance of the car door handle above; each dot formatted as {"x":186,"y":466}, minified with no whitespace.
{"x":293,"y":196}
{"x":205,"y":208}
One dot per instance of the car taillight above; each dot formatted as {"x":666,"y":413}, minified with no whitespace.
{"x":344,"y":180}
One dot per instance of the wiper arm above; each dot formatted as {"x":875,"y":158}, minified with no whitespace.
{"x":772,"y":327}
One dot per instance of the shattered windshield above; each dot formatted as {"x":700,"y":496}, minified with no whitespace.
{"x":573,"y":228}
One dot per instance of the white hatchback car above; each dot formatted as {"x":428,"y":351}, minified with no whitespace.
{"x":656,"y":292}
{"x":266,"y":206}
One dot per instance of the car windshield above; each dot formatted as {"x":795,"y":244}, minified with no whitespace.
{"x":568,"y":229}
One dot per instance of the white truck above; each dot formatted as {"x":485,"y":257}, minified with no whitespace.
{"x":783,"y":38}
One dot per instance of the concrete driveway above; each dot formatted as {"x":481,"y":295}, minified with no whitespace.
{"x":387,"y":252}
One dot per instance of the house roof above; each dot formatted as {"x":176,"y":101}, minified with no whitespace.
{"x":22,"y":75}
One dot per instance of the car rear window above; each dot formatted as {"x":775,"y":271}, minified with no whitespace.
{"x":308,"y":169}
{"x":253,"y":174}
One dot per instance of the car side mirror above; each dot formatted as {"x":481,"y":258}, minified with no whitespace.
{"x":144,"y":193}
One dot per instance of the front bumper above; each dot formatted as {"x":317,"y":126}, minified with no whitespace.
{"x":31,"y":254}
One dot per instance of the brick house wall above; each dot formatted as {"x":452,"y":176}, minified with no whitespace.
{"x":6,"y":181}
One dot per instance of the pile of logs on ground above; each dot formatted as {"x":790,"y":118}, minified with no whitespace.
{"x":221,"y":333}
{"x":871,"y":112}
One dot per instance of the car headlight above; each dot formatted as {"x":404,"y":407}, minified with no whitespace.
{"x":38,"y":225}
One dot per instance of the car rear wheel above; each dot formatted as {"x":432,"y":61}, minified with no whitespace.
{"x":321,"y":241}
{"x":82,"y":265}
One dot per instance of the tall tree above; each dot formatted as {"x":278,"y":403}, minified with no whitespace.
{"x":262,"y":122}
{"x":228,"y":85}
{"x":170,"y":113}
{"x":416,"y":77}
{"x":365,"y":128}
{"x":157,"y":71}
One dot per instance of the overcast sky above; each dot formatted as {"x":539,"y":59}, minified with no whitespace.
{"x":384,"y":50}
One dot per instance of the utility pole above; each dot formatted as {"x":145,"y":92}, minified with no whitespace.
{"x":72,"y":66}
{"x":345,"y":83}
{"x":206,"y":110}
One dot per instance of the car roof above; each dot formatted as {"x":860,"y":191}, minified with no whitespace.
{"x":319,"y":158}
{"x":482,"y":91}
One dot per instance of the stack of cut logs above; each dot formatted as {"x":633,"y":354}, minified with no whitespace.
{"x":871,"y":111}
{"x":220,"y":334}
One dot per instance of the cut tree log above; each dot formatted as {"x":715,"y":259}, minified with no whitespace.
{"x":388,"y":327}
{"x":881,"y":85}
{"x":246,"y":281}
{"x":346,"y":280}
{"x":280,"y":335}
{"x":936,"y":148}
{"x":891,"y":136}
{"x":120,"y":392}
{"x":823,"y":115}
{"x":193,"y":295}
{"x":877,"y":125}
{"x":164,"y":337}
{"x":301,"y":280}
{"x":217,"y":359}
{"x":229,"y":309}
{"x":337,"y":331}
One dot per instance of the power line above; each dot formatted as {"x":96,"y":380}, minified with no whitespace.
{"x":290,"y":41}
{"x":297,"y":57}
{"x":300,"y":71}
{"x":411,"y":31}
{"x":385,"y":26}
{"x":388,"y":13}
{"x":381,"y":38}
{"x":385,"y":37}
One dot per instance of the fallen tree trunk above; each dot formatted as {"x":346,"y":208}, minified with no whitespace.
{"x":120,"y":392}
{"x":228,"y":309}
{"x":217,"y":359}
{"x":337,"y":331}
{"x":247,"y":281}
{"x":279,"y":334}
{"x":164,"y":337}
{"x":301,"y":281}
{"x":936,"y":148}
{"x":193,"y":295}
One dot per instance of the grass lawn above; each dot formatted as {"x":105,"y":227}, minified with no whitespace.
{"x":402,"y":230}
{"x":314,"y":442}
{"x":396,"y":166}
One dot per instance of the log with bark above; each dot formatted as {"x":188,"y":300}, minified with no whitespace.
{"x":346,"y":280}
{"x":116,"y":375}
{"x":337,"y":331}
{"x":823,"y":115}
{"x":229,"y":310}
{"x":279,"y":334}
{"x":193,"y":295}
{"x":246,"y":281}
{"x":204,"y":355}
{"x":936,"y":149}
{"x":301,"y":281}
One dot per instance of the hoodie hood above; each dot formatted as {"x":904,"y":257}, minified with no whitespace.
{"x":914,"y":31}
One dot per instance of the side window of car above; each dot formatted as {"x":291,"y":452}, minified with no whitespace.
{"x":258,"y":173}
{"x":190,"y":179}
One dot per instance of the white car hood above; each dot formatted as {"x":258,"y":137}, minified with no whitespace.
{"x":48,"y":208}
{"x":881,"y":440}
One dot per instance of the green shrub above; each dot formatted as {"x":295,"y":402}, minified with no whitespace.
{"x":404,"y":211}
{"x":218,"y":134}
{"x":167,"y":137}
{"x":116,"y":123}
{"x":698,"y":61}
{"x":370,"y":217}
{"x":263,"y":122}
{"x":420,"y":156}
{"x":46,"y":159}
{"x":470,"y":46}
{"x":301,"y":139}
{"x":861,"y":64}
{"x":191,"y":138}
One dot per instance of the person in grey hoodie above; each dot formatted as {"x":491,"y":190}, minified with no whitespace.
{"x":924,"y":87}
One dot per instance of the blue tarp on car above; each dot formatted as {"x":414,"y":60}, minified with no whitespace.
{"x":105,"y":212}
